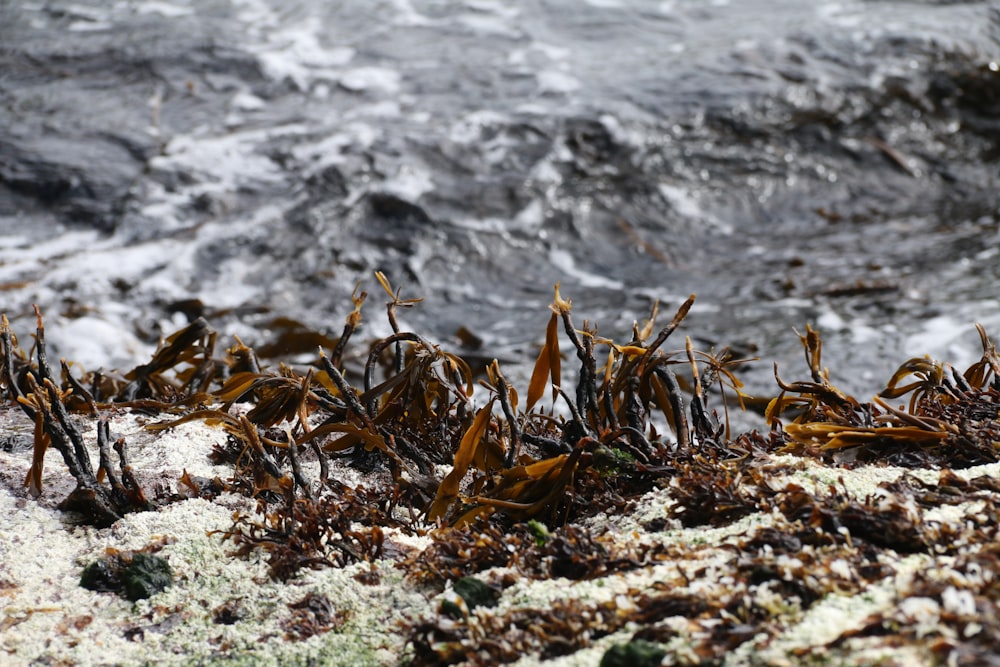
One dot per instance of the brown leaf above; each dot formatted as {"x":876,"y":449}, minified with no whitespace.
{"x":548,"y":364}
{"x":448,"y":489}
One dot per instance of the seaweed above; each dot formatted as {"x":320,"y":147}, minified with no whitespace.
{"x":194,"y":346}
{"x":44,"y":402}
{"x":951,"y":613}
{"x":415,"y":413}
{"x":561,"y":628}
{"x":98,"y":504}
{"x":342,"y":525}
{"x":314,"y":614}
{"x":134,"y":575}
{"x":951,"y":420}
{"x":411,"y":416}
{"x":506,"y":485}
{"x":457,"y":552}
{"x":570,"y":551}
{"x":420,"y":415}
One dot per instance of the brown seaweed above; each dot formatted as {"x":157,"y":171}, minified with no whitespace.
{"x":313,"y":615}
{"x":45,"y":403}
{"x":341,"y":526}
{"x":951,"y":420}
{"x":501,"y":479}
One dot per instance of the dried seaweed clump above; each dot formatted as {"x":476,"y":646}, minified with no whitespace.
{"x":340,"y":527}
{"x":564,"y":627}
{"x":34,"y":388}
{"x":314,"y":614}
{"x":953,"y":419}
{"x":441,"y":457}
{"x":947,"y":608}
{"x":530,"y":549}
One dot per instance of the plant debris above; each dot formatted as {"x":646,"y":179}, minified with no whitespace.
{"x":314,"y":614}
{"x":951,"y":419}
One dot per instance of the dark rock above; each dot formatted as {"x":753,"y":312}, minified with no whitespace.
{"x":84,"y":183}
{"x":394,"y":209}
{"x":329,"y":183}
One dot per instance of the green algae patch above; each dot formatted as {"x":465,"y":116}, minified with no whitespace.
{"x":145,"y":576}
{"x":476,"y":593}
{"x":134,"y":576}
{"x":637,"y":653}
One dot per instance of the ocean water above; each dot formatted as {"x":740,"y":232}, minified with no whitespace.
{"x":831,"y":163}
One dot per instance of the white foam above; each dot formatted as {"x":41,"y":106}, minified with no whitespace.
{"x":89,"y":26}
{"x":167,"y":9}
{"x":531,"y":216}
{"x":409,"y":182}
{"x":404,"y":14}
{"x":468,"y":129}
{"x":221,"y":159}
{"x":94,"y":342}
{"x":555,"y":81}
{"x":370,"y":78}
{"x":58,"y":245}
{"x":829,"y":320}
{"x":327,"y":151}
{"x":563,"y":260}
{"x":247,"y":101}
{"x":945,"y":338}
{"x":13,"y":240}
{"x":290,"y":49}
{"x":687,"y":206}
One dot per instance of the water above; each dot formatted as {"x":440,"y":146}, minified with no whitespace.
{"x":832,"y":163}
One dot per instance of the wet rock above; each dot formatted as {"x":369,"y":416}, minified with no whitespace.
{"x":83,"y":182}
{"x":391,"y":208}
{"x":591,"y":141}
{"x":329,"y":183}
